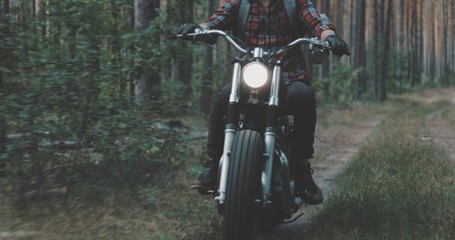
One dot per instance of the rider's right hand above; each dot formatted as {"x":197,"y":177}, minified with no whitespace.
{"x":339,"y":46}
{"x":187,"y":28}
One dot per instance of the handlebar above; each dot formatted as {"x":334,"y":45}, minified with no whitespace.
{"x":304,"y":40}
{"x":200,"y":32}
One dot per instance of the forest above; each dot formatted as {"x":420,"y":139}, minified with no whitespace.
{"x":97,"y":105}
{"x":89,"y":88}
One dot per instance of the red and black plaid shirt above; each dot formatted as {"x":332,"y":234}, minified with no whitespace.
{"x":270,"y":29}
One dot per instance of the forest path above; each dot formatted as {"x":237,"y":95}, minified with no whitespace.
{"x":339,"y":144}
{"x":438,"y":129}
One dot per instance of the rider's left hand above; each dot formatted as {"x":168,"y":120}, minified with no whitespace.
{"x":188,"y":28}
{"x":339,"y":46}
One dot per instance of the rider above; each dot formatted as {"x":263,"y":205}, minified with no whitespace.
{"x":268,"y":26}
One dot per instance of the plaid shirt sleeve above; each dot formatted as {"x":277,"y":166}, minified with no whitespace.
{"x":312,"y":18}
{"x":224,"y":16}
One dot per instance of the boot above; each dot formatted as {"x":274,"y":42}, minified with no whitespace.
{"x":305,"y":186}
{"x":208,"y":178}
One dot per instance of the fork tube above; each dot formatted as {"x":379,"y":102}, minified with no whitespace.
{"x":275,"y":88}
{"x":270,"y":134}
{"x":230,"y":131}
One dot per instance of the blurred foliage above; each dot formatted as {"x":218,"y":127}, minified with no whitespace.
{"x":66,"y":96}
{"x":337,"y":86}
{"x":67,"y":92}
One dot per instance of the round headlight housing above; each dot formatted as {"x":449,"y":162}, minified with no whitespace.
{"x":255,"y":74}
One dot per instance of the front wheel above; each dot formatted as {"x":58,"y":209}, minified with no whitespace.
{"x":243,"y":187}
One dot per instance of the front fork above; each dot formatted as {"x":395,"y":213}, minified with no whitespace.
{"x":270,"y":135}
{"x":230,"y":131}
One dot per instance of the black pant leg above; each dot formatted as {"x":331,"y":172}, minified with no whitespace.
{"x":300,"y":101}
{"x":217,"y":124}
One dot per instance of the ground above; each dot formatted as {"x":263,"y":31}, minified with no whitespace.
{"x":438,"y":129}
{"x":335,"y":146}
{"x":338,"y":144}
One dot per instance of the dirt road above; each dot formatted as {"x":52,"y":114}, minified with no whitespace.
{"x":438,"y":129}
{"x":339,"y":145}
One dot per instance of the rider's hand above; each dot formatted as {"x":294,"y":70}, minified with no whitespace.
{"x":339,"y":46}
{"x":188,"y":28}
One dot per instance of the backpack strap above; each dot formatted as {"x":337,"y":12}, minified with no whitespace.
{"x":291,"y":11}
{"x":242,"y":16}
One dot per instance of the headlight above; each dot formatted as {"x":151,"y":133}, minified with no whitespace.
{"x":255,"y":74}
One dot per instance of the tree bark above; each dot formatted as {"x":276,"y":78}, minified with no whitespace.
{"x":358,"y":48}
{"x":385,"y":53}
{"x":4,"y":10}
{"x":413,"y":44}
{"x":377,"y":44}
{"x":147,"y":84}
{"x":183,"y":65}
{"x":325,"y":68}
{"x":207,"y":76}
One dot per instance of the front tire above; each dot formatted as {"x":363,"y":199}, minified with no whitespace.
{"x":243,"y":187}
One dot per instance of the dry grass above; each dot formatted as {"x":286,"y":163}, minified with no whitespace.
{"x":399,"y":186}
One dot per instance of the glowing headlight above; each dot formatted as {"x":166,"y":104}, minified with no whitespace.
{"x":255,"y":74}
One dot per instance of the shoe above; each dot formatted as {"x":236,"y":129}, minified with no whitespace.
{"x":208,"y":178}
{"x":306,"y":187}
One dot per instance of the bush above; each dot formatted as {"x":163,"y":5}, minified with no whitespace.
{"x":339,"y":84}
{"x":65,"y":99}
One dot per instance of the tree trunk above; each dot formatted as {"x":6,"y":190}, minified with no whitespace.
{"x":4,"y":7}
{"x":400,"y":46}
{"x":377,"y":49}
{"x":147,"y":84}
{"x":325,"y":68}
{"x":207,"y":76}
{"x":358,"y":48}
{"x":413,"y":44}
{"x":183,"y":65}
{"x":4,"y":10}
{"x":387,"y":21}
{"x":419,"y":33}
{"x":445,"y":25}
{"x":452,"y":58}
{"x":451,"y":63}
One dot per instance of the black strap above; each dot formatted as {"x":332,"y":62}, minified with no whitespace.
{"x":293,"y":16}
{"x":242,"y":17}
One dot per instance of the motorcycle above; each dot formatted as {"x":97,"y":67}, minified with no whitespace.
{"x":256,"y":187}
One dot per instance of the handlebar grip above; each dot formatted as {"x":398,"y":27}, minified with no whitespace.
{"x":188,"y":37}
{"x":172,"y":36}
